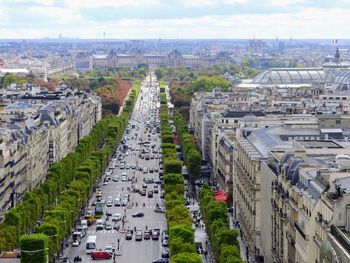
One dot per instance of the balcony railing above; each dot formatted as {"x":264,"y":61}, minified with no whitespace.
{"x":341,"y":238}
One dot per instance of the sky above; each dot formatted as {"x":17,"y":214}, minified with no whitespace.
{"x":175,"y":19}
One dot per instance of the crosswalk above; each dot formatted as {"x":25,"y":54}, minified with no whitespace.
{"x":91,"y":232}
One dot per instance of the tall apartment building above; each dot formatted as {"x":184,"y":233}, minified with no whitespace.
{"x":309,"y":203}
{"x":38,"y":129}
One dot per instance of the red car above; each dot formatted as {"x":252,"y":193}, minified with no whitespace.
{"x":101,"y":255}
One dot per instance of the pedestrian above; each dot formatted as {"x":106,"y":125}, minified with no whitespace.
{"x":114,"y":257}
{"x":247,"y":254}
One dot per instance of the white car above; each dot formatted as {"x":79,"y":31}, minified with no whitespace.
{"x":116,"y":217}
{"x":115,"y":178}
{"x":117,"y":202}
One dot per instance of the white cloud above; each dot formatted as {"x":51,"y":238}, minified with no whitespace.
{"x":108,"y":3}
{"x":57,"y":15}
{"x":285,"y":3}
{"x":41,"y":2}
{"x":191,"y":3}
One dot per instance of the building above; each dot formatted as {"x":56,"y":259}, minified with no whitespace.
{"x":39,"y":127}
{"x":172,"y":59}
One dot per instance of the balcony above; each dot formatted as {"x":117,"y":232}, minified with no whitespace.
{"x":301,"y":232}
{"x":341,"y":237}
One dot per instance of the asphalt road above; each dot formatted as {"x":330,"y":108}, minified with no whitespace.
{"x":131,"y":251}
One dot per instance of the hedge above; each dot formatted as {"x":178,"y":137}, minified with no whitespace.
{"x":34,"y":248}
{"x":179,"y":220}
{"x":224,"y":241}
{"x":191,"y":155}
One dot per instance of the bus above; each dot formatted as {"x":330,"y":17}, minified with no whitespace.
{"x":90,"y":244}
{"x":98,"y":210}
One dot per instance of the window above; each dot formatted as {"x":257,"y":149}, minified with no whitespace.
{"x":337,"y":121}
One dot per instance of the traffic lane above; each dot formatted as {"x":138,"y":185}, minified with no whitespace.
{"x":112,"y":188}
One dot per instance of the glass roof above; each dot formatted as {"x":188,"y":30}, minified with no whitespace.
{"x":290,"y":76}
{"x":343,"y":77}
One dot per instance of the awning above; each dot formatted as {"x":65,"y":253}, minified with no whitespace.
{"x":221,"y":196}
{"x":176,"y":140}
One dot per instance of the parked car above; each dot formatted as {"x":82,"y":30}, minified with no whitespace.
{"x":165,"y":253}
{"x":159,"y":210}
{"x":161,"y":260}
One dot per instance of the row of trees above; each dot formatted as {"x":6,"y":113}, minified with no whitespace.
{"x":191,"y":155}
{"x":181,"y":233}
{"x":223,"y":240}
{"x":58,"y":200}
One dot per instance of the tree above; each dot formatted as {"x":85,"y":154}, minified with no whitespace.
{"x":186,"y":257}
{"x":184,"y":231}
{"x":10,"y":78}
{"x":160,"y":72}
{"x":34,"y":248}
{"x":172,"y":167}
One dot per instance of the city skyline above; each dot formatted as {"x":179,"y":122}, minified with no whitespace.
{"x":140,"y":19}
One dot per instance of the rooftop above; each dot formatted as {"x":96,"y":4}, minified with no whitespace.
{"x":320,"y":144}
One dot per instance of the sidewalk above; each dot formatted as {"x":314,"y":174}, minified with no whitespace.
{"x":242,"y":244}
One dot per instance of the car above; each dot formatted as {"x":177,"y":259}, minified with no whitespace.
{"x":117,"y":202}
{"x":99,"y":193}
{"x":101,"y":255}
{"x":139,"y":214}
{"x":145,"y":170}
{"x":128,"y":235}
{"x":159,"y":210}
{"x":108,"y":213}
{"x":65,"y":260}
{"x":156,"y":191}
{"x":155,"y":235}
{"x":108,"y":227}
{"x":156,"y":170}
{"x":93,"y":203}
{"x":140,"y":169}
{"x":138,"y":235}
{"x":116,"y":178}
{"x":105,"y":182}
{"x":109,"y":249}
{"x":165,"y":242}
{"x":165,"y":253}
{"x":147,"y":234}
{"x":124,"y":202}
{"x":109,"y":203}
{"x":99,"y":224}
{"x":161,"y":260}
{"x":143,"y":192}
{"x":150,"y":194}
{"x":116,"y":217}
{"x":144,"y":186}
{"x":101,"y":201}
{"x":151,"y":170}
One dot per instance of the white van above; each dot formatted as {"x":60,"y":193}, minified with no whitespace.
{"x":90,"y":244}
{"x":84,"y":224}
